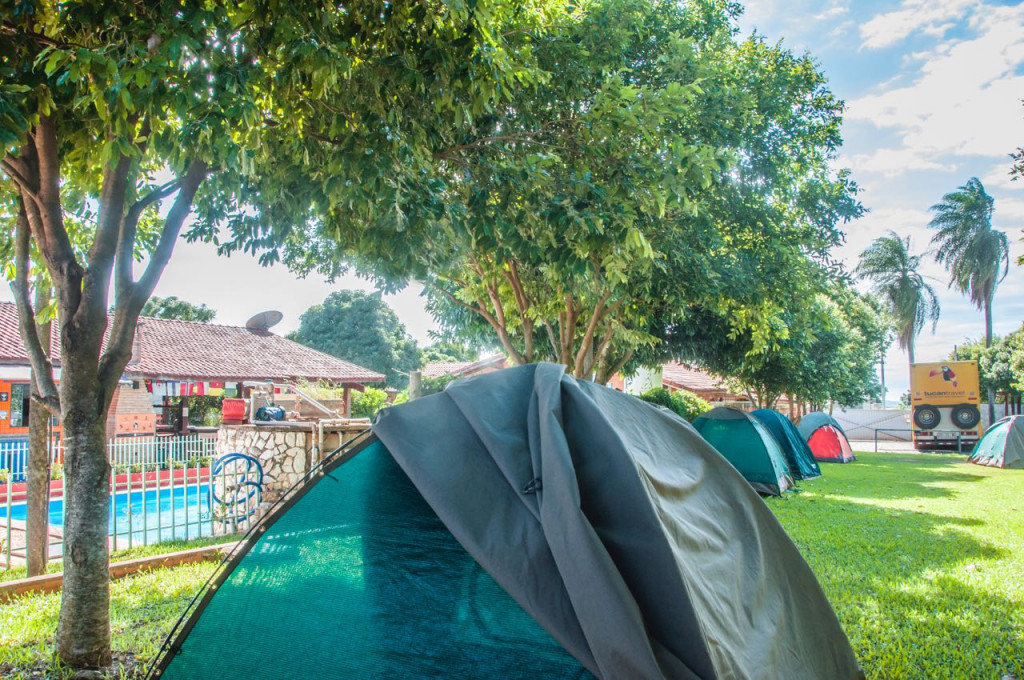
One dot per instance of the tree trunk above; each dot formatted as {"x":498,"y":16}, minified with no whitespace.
{"x":988,"y":343}
{"x":882,"y":361}
{"x":37,"y":468}
{"x":83,"y":629}
{"x":37,"y":491}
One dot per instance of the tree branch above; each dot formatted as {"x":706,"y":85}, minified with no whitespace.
{"x":602,"y":379}
{"x":552,"y":339}
{"x":588,"y":336}
{"x":127,"y":310}
{"x":511,"y":274}
{"x":482,"y":141}
{"x":17,"y":171}
{"x":12,"y":30}
{"x":503,"y":336}
{"x":42,"y":368}
{"x":106,"y":242}
{"x":55,"y":245}
{"x":180,"y":210}
{"x":125,"y":253}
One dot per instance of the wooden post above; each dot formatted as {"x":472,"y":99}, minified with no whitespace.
{"x":346,"y":395}
{"x":414,"y":385}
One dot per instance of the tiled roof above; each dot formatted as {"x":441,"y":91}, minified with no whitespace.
{"x":189,"y":350}
{"x":460,"y":368}
{"x":683,"y":377}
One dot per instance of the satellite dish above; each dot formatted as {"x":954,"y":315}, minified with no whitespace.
{"x":264,"y":320}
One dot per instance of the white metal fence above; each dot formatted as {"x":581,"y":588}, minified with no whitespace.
{"x":891,"y":424}
{"x":162,"y":451}
{"x":161,"y":489}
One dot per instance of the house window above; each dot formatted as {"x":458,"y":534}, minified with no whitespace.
{"x":20,"y":404}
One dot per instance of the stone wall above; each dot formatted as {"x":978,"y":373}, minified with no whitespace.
{"x":284,"y":452}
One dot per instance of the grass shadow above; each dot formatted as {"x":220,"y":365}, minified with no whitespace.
{"x":895,"y":476}
{"x":921,"y":593}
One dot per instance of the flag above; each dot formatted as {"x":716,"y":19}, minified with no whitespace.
{"x":216,"y":388}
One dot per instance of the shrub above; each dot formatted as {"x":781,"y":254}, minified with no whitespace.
{"x":686,"y":404}
{"x":435,"y":385}
{"x":366,"y":404}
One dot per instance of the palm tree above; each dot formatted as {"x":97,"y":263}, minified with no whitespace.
{"x":976,"y":255}
{"x":892,"y":270}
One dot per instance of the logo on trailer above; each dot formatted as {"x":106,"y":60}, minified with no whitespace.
{"x":947,"y":374}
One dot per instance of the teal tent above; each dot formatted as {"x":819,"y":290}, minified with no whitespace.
{"x":520,"y":524}
{"x":749,"y":446}
{"x":798,"y":455}
{"x":1002,"y":446}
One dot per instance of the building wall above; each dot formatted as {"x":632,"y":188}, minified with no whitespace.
{"x":131,"y":412}
{"x":284,"y":453}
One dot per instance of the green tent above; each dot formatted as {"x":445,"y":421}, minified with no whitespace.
{"x":520,"y":524}
{"x":798,"y":455}
{"x":1002,"y":446}
{"x":749,"y":446}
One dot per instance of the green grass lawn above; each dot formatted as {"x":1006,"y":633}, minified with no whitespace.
{"x":922,"y":557}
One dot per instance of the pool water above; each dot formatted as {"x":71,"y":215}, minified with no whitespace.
{"x":150,"y":517}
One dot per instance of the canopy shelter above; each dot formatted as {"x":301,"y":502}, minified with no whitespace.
{"x":1002,"y":446}
{"x":798,"y":455}
{"x":749,"y":446}
{"x":826,"y":438}
{"x":520,"y":524}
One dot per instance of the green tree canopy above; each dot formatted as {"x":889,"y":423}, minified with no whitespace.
{"x":893,"y":273}
{"x":361,"y":328}
{"x":173,"y":308}
{"x":825,"y":351}
{"x":660,"y":172}
{"x":1001,"y":365}
{"x":264,"y":120}
{"x":445,"y":352}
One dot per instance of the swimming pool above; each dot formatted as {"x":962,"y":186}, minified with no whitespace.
{"x":146,"y":517}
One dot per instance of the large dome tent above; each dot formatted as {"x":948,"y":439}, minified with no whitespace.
{"x":826,"y":438}
{"x":1002,"y":444}
{"x":749,"y":446}
{"x":520,"y":524}
{"x":798,"y":455}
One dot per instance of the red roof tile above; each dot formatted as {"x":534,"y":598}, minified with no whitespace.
{"x":201,"y":351}
{"x":683,"y":377}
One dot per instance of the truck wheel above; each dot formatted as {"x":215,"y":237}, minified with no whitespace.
{"x":926,"y":417}
{"x":966,"y":416}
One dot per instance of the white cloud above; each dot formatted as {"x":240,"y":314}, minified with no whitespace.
{"x":999,"y":177}
{"x":835,"y":9}
{"x":965,"y":100}
{"x":1009,"y":210}
{"x":927,"y":16}
{"x":893,"y":162}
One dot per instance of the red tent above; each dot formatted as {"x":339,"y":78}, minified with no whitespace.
{"x":826,"y":438}
{"x":830,"y":445}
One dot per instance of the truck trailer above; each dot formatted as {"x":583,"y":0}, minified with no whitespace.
{"x":945,"y":397}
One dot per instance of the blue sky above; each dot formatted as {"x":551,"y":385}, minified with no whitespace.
{"x":933,"y":91}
